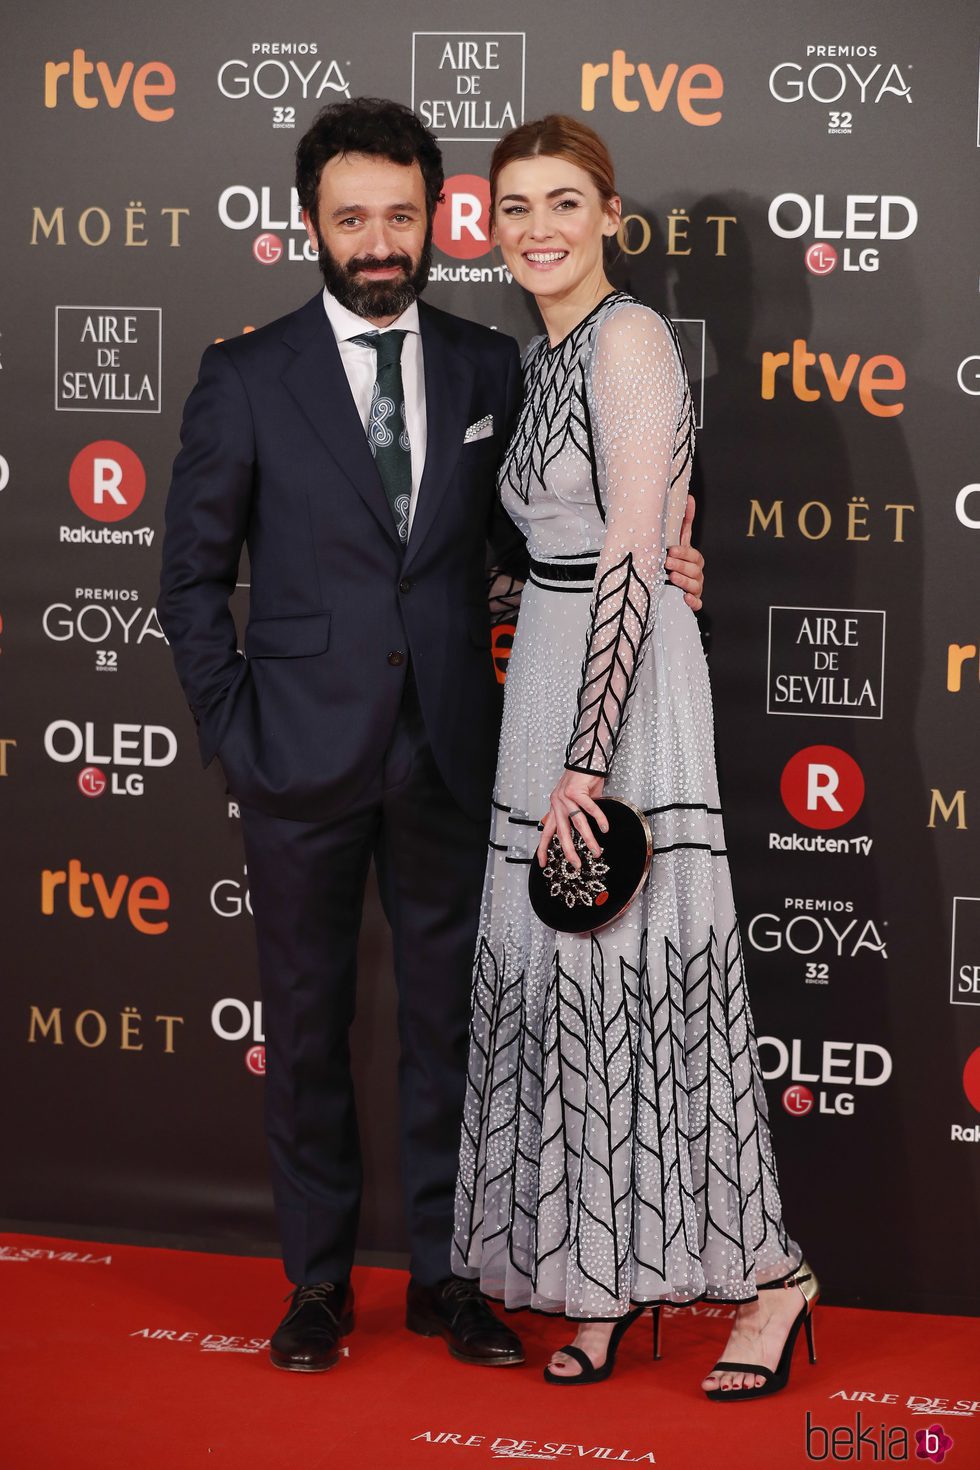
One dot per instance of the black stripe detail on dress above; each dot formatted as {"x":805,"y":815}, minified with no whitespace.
{"x":549,"y":587}
{"x":557,"y":571}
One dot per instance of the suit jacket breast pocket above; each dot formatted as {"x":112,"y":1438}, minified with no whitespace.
{"x":301,"y":636}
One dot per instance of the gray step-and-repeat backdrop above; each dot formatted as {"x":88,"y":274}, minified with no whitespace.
{"x":800,"y":197}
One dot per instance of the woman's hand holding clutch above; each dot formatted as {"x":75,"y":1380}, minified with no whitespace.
{"x":575,"y":794}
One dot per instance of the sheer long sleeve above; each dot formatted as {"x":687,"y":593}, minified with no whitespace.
{"x":643,"y":431}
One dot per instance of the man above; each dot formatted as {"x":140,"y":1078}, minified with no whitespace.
{"x":353,"y":446}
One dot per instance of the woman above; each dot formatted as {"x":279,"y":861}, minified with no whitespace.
{"x":615,"y":1149}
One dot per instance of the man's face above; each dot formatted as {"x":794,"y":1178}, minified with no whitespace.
{"x":371,"y":233}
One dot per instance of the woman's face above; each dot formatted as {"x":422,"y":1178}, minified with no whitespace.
{"x":550,"y":223}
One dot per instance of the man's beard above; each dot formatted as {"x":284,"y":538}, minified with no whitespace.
{"x":380,"y":298}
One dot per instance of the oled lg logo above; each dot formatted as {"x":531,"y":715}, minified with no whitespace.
{"x":798,"y":1100}
{"x":107,"y":482}
{"x":234,"y":1020}
{"x":267,"y":248}
{"x":836,"y":1064}
{"x":963,"y":506}
{"x":243,"y":208}
{"x":143,"y":747}
{"x":820,"y":259}
{"x":862,"y":217}
{"x":153,"y":79}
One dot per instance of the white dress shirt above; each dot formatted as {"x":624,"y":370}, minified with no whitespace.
{"x":361,"y":366}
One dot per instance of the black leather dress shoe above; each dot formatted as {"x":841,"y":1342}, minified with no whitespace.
{"x":307,"y":1339}
{"x":458,"y":1311}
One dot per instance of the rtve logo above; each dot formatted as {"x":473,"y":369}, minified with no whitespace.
{"x":461,"y":227}
{"x":879,"y":374}
{"x":152,"y":79}
{"x":690,"y":94}
{"x":958,"y":655}
{"x":822,"y":787}
{"x":107,"y":480}
{"x":141,"y":896}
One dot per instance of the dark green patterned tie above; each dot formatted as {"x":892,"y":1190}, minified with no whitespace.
{"x":387,"y":429}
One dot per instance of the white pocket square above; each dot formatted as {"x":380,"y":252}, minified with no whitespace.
{"x":482,"y":429}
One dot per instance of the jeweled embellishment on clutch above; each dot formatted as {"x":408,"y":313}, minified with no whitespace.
{"x":582,"y":885}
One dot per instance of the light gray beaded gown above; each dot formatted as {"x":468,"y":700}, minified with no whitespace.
{"x":615,"y":1145}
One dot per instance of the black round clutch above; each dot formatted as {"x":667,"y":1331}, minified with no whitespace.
{"x":578,"y":900}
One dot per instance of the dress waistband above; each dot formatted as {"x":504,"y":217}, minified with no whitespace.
{"x":581,"y":569}
{"x":574,"y":575}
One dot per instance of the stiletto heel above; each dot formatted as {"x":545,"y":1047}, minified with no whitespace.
{"x":592,"y":1374}
{"x":804,"y":1278}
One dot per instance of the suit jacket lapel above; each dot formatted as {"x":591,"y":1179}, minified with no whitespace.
{"x":448,"y":386}
{"x":317,"y":381}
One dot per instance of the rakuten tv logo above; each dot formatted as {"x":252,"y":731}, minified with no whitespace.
{"x":107,"y":480}
{"x":461,"y":227}
{"x":87,"y":894}
{"x":151,"y":80}
{"x":822,"y":787}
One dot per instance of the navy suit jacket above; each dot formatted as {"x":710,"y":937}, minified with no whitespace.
{"x":274,"y":456}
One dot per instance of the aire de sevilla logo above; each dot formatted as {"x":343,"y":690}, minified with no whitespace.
{"x":822,"y":787}
{"x":107,"y":480}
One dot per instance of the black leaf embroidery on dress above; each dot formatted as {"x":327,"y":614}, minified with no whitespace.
{"x":621,"y":625}
{"x":549,"y":418}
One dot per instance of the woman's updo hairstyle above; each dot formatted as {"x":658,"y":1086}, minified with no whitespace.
{"x":556,"y":136}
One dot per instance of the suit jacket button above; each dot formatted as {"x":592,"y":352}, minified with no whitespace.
{"x":405,"y":585}
{"x":396,"y":657}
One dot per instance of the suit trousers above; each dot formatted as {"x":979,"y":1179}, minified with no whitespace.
{"x":307,"y":884}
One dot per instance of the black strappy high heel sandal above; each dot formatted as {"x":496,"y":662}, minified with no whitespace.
{"x":592,"y":1374}
{"x":804,"y":1278}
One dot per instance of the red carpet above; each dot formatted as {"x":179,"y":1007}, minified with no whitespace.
{"x":131,"y":1359}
